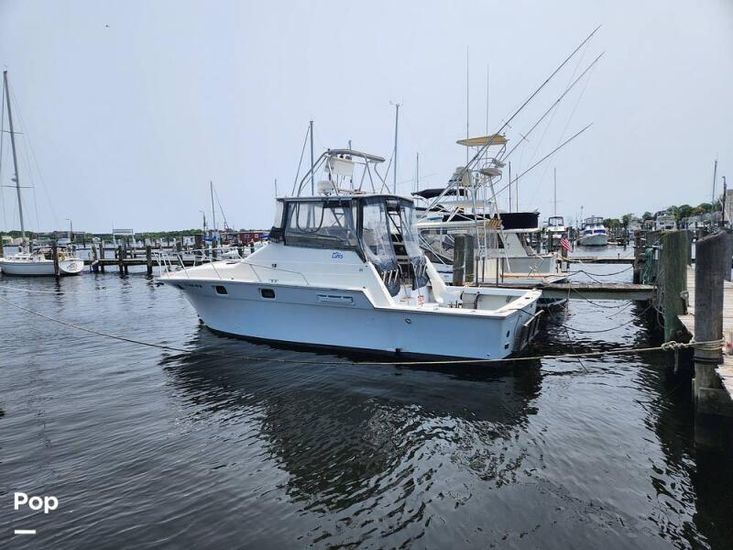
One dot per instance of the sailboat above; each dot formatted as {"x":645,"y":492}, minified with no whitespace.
{"x":39,"y":260}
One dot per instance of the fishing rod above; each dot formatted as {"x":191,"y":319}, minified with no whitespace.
{"x":548,"y":155}
{"x":555,"y":104}
{"x":490,"y":142}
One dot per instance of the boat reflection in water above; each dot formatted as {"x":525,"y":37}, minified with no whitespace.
{"x":363,"y":437}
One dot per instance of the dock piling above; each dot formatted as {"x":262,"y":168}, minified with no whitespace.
{"x":55,"y":254}
{"x":469,"y":261}
{"x":673,"y":281}
{"x":727,"y":255}
{"x":459,"y":259}
{"x":149,"y":259}
{"x":709,"y":276}
{"x":95,"y":259}
{"x":120,"y":259}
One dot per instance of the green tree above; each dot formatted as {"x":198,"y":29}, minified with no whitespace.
{"x":684,"y":211}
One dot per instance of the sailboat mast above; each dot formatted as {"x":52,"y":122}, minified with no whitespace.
{"x":715,"y":169}
{"x":15,"y":156}
{"x":213,"y":211}
{"x":554,"y":212}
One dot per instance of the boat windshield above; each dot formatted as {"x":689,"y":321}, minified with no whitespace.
{"x":410,"y":240}
{"x":377,"y":243}
{"x":321,"y":224}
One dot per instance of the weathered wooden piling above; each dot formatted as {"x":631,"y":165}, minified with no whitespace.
{"x":638,"y":252}
{"x":120,"y":259}
{"x":95,"y":259}
{"x":672,"y":281}
{"x":727,"y":256}
{"x":55,"y":255}
{"x":470,"y":270}
{"x":149,"y":259}
{"x":709,"y":277}
{"x":101,"y":255}
{"x":459,"y":259}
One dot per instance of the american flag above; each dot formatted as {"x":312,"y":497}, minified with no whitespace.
{"x":565,"y":244}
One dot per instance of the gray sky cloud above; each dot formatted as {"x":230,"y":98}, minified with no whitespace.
{"x":131,"y":107}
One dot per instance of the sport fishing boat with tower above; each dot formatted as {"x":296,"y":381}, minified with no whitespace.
{"x":506,"y":243}
{"x":343,"y":269}
{"x":30,"y":260}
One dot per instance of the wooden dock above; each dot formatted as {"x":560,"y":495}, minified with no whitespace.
{"x":725,"y":371}
{"x":599,"y":291}
{"x":600,"y":260}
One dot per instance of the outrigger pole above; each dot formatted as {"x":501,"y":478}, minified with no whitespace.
{"x":548,"y":155}
{"x":490,"y":142}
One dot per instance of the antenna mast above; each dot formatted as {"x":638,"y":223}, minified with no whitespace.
{"x":313,"y":180}
{"x":394,"y":167}
{"x":715,"y":169}
{"x":467,"y":104}
{"x":213,"y":211}
{"x":555,"y":190}
{"x":417,"y":172}
{"x":487,"y":100}
{"x":15,"y":157}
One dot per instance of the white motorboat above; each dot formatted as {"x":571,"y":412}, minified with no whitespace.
{"x":594,"y":233}
{"x":665,"y":222}
{"x":40,"y":263}
{"x":343,"y":269}
{"x":555,"y":229}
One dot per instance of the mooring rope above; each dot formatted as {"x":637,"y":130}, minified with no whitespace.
{"x":594,"y":275}
{"x":712,"y":345}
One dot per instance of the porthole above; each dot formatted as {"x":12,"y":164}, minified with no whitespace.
{"x":221,"y":290}
{"x":267,"y":293}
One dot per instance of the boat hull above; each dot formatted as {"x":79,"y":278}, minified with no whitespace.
{"x":42,"y":268}
{"x":593,"y":240}
{"x":347,"y":319}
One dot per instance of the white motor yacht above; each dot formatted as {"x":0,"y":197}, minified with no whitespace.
{"x":343,"y":269}
{"x":594,"y":233}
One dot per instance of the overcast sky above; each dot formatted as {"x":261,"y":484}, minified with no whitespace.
{"x":129,"y":108}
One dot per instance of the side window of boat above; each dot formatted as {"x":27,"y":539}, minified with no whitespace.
{"x":320,"y":225}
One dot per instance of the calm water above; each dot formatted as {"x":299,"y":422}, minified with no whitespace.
{"x":210,"y":447}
